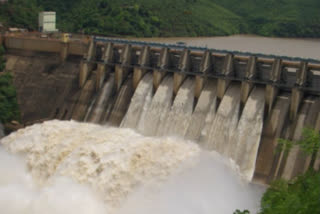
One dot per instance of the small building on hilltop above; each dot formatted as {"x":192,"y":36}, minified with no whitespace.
{"x":47,"y":21}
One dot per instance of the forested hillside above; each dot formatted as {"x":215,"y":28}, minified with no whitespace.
{"x":289,"y":18}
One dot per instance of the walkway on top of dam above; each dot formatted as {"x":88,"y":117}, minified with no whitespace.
{"x":279,"y":71}
{"x":183,"y":45}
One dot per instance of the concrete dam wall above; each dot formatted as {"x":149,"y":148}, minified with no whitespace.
{"x":236,"y":104}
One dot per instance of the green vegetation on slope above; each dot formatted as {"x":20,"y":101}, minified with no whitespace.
{"x":301,"y":195}
{"x":309,"y":144}
{"x":20,"y":13}
{"x":8,"y":102}
{"x":2,"y":60}
{"x":289,"y":18}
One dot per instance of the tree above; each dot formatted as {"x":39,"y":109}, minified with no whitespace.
{"x":8,"y":101}
{"x":299,"y":196}
{"x":309,"y":144}
{"x":2,"y":60}
{"x":302,"y":194}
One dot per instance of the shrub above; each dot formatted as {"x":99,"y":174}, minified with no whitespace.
{"x":300,"y":196}
{"x":8,"y":102}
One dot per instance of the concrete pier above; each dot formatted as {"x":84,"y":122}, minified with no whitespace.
{"x":247,"y":85}
{"x":297,"y":93}
{"x":272,"y":89}
{"x":86,"y":65}
{"x":267,"y":160}
{"x":205,"y":66}
{"x":64,"y":51}
{"x":103,"y":68}
{"x":143,"y":63}
{"x":162,"y":65}
{"x":122,"y":70}
{"x":184,"y":67}
{"x":227,"y":71}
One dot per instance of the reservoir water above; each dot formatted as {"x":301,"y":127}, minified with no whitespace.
{"x":305,"y":48}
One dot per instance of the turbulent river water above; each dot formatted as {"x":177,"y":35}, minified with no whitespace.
{"x":80,"y":168}
{"x":171,"y":154}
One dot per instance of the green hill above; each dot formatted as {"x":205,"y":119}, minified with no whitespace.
{"x":289,"y":18}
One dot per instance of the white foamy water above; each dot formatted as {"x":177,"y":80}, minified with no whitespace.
{"x":179,"y":117}
{"x":102,"y":101}
{"x":205,"y":132}
{"x":159,"y":108}
{"x":139,"y":104}
{"x":73,"y":168}
{"x":247,"y":136}
{"x":225,"y":122}
{"x":20,"y":194}
{"x":208,"y":187}
{"x":198,"y":120}
{"x":86,"y":118}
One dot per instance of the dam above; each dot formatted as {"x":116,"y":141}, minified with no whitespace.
{"x":237,"y":104}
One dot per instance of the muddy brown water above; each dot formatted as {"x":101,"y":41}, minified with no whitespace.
{"x":304,"y":48}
